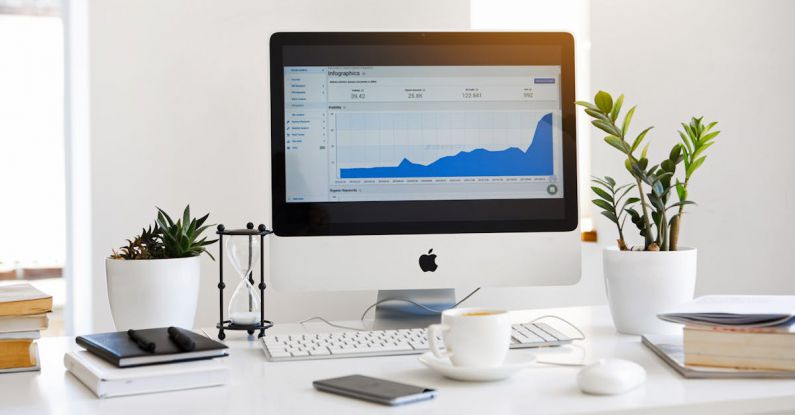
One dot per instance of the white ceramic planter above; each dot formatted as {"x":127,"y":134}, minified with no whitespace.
{"x":148,"y":293}
{"x":641,"y":285}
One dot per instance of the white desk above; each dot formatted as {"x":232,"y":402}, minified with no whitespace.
{"x":260,"y":387}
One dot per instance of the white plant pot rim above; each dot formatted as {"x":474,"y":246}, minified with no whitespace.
{"x":680,"y":249}
{"x":152,"y":259}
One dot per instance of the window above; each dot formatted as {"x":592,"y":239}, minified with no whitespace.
{"x":32,"y":206}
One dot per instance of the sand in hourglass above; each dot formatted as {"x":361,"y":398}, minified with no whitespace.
{"x":244,"y":317}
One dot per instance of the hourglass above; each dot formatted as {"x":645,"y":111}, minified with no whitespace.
{"x":243,"y":249}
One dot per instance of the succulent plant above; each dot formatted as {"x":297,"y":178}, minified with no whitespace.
{"x":181,"y":238}
{"x":168,"y":239}
{"x":146,"y":245}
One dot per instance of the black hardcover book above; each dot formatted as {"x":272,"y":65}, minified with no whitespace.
{"x":119,"y":349}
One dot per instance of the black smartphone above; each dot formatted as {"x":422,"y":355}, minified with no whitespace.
{"x":375,"y":390}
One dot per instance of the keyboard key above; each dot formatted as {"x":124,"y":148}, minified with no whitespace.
{"x":547,"y":328}
{"x":279,"y":353}
{"x":541,"y":333}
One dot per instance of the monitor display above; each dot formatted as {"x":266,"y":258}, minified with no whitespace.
{"x":431,"y":132}
{"x":422,"y":133}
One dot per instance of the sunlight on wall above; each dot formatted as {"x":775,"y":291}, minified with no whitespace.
{"x":31,"y":141}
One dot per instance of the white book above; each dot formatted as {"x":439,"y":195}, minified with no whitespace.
{"x":10,"y":324}
{"x":20,"y":335}
{"x":107,"y":381}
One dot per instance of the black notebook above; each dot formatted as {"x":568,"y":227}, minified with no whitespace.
{"x":118,"y":349}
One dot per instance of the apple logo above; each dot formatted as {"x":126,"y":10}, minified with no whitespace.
{"x":428,"y":261}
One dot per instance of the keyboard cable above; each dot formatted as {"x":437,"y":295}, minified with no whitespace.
{"x":385,"y":300}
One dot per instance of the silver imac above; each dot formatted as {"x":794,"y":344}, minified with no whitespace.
{"x":422,"y":162}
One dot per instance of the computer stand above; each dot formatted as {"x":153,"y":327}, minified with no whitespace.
{"x":401,"y":314}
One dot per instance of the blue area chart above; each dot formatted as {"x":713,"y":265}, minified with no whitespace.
{"x":535,"y":161}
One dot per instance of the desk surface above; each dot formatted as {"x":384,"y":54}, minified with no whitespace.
{"x":258,"y":386}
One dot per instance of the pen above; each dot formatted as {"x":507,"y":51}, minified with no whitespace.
{"x":185,"y":343}
{"x":141,"y":341}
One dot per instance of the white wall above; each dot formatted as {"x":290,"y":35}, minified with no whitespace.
{"x":731,"y":61}
{"x":180,"y":113}
{"x":179,"y":97}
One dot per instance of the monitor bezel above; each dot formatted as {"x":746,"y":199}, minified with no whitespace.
{"x":412,"y":217}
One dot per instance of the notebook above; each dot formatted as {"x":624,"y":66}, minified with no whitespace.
{"x":669,"y":349}
{"x":107,"y":381}
{"x":118,"y":349}
{"x":23,"y":299}
{"x":735,"y":311}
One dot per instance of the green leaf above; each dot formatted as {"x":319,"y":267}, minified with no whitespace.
{"x":696,"y":164}
{"x":658,"y":189}
{"x":610,"y":216}
{"x":680,"y":190}
{"x":186,"y":215}
{"x":617,"y":143}
{"x":708,"y":137}
{"x":586,"y":104}
{"x":682,"y":203}
{"x":601,"y":182}
{"x":639,"y":138}
{"x":596,"y":114}
{"x":675,"y":153}
{"x":688,"y":147}
{"x":602,"y":204}
{"x":627,"y":120}
{"x":616,"y":108}
{"x":610,"y":180}
{"x":604,"y":195}
{"x":631,"y":200}
{"x":668,"y":165}
{"x":710,"y":125}
{"x":167,"y":220}
{"x":690,"y":132}
{"x":701,"y":149}
{"x":603,"y":101}
{"x":645,"y":151}
{"x":606,"y":127}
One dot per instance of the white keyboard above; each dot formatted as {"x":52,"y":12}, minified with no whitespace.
{"x":343,"y":344}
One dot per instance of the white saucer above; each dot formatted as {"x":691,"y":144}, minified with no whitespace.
{"x":512,"y":365}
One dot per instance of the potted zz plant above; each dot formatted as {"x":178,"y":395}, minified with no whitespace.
{"x":657,"y":274}
{"x":153,"y":281}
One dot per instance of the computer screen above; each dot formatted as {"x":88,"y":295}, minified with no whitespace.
{"x":431,"y":132}
{"x":421,"y":133}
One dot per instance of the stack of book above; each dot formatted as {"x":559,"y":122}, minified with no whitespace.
{"x":23,"y":314}
{"x":147,"y":361}
{"x":739,"y":332}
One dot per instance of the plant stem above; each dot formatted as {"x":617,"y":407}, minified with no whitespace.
{"x":646,"y":224}
{"x":676,"y":223}
{"x":663,"y":232}
{"x":622,"y":245}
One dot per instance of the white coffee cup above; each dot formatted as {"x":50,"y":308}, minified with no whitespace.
{"x":474,"y":337}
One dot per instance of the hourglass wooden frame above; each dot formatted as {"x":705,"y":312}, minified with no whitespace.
{"x":263,"y":324}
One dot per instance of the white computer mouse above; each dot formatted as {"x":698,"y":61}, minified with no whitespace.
{"x":611,"y":377}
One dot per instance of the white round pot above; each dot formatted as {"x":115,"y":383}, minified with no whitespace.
{"x":641,"y":285}
{"x":149,"y":293}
